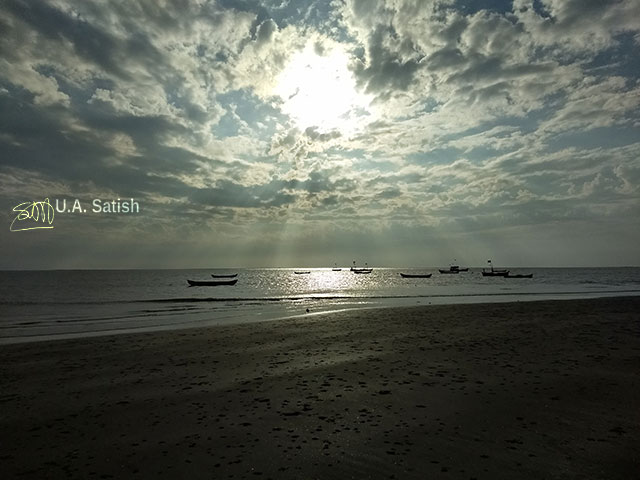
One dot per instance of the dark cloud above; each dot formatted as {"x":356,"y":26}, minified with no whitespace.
{"x":320,"y":181}
{"x":576,"y":27}
{"x":89,"y":42}
{"x":389,"y":194}
{"x":275,"y":193}
{"x":41,"y":141}
{"x":446,"y":59}
{"x":450,"y":33}
{"x":315,"y":135}
{"x":385,"y":70}
{"x":266,"y":31}
{"x":229,"y":194}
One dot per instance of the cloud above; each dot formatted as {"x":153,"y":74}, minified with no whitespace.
{"x":266,"y":32}
{"x":315,"y":135}
{"x":595,"y":103}
{"x":385,"y":69}
{"x":576,"y":26}
{"x":480,"y":118}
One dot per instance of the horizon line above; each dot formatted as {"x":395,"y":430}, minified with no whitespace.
{"x":327,"y":267}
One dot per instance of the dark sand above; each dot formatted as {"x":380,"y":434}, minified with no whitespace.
{"x":498,"y":391}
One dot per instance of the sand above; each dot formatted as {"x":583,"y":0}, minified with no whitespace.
{"x":535,"y":390}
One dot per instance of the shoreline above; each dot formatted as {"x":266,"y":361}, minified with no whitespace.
{"x":489,"y":391}
{"x":249,"y":316}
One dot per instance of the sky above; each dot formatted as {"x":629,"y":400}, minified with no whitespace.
{"x":309,"y":133}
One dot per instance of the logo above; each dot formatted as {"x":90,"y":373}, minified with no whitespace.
{"x":33,"y":216}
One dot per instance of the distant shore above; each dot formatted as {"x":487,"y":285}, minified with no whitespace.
{"x":544,"y":389}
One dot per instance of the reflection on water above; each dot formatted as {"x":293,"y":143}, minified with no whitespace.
{"x":325,"y":281}
{"x":77,"y":302}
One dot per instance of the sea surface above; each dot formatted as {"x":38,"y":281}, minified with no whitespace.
{"x":42,"y":305}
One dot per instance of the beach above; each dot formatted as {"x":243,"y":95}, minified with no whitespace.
{"x":526,"y":390}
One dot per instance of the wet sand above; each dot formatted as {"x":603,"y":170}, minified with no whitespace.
{"x":532,"y":390}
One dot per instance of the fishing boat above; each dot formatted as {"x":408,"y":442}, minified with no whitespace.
{"x":336,"y":268}
{"x":415,"y":275}
{"x":494,"y":272}
{"x":519,"y":275}
{"x":453,"y":269}
{"x":211,"y":283}
{"x":355,"y":269}
{"x":305,"y":272}
{"x":449,"y":271}
{"x":230,"y":275}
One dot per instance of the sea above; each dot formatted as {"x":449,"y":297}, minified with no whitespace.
{"x":55,"y":304}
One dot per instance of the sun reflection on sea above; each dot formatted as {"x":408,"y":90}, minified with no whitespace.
{"x":326,"y":281}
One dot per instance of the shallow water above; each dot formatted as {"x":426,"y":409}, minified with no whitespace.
{"x":55,"y":304}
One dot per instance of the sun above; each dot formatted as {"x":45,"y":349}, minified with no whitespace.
{"x":319,"y":91}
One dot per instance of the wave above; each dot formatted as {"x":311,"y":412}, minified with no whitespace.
{"x":310,"y":297}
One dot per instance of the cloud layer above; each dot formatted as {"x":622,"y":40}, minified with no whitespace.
{"x":512,"y":128}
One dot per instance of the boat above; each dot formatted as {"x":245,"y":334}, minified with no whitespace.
{"x":336,"y":268}
{"x":362,"y":270}
{"x":355,"y":269}
{"x":448,"y":271}
{"x":230,"y":275}
{"x":453,"y":268}
{"x":211,"y":283}
{"x":494,"y":272}
{"x":305,"y":272}
{"x":415,"y":275}
{"x":519,"y":275}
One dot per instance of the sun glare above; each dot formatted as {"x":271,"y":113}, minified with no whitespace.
{"x":320,"y":91}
